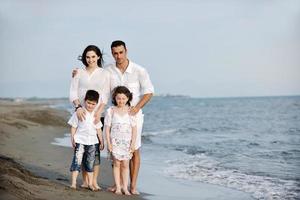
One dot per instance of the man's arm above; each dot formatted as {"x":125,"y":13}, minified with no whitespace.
{"x":143,"y":101}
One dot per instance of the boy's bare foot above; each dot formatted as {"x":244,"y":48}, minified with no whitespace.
{"x":97,"y":187}
{"x":73,"y":187}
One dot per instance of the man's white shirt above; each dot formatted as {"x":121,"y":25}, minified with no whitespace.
{"x":135,"y":78}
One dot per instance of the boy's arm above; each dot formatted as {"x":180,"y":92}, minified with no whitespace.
{"x":133,"y":139}
{"x":73,"y":132}
{"x":100,"y":138}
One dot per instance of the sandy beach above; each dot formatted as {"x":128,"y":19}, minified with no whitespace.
{"x":33,"y":168}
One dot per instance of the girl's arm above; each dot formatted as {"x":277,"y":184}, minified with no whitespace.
{"x":107,"y":131}
{"x":133,"y":139}
{"x":73,"y":131}
{"x":100,"y":137}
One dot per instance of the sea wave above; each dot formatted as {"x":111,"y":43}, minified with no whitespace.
{"x":204,"y":169}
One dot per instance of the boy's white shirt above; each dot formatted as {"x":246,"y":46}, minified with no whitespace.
{"x":86,"y":132}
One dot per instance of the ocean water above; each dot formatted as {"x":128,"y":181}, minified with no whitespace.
{"x":247,"y":144}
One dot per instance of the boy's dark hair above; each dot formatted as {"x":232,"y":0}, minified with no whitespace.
{"x":92,"y":95}
{"x":97,"y":52}
{"x":121,"y":90}
{"x":117,"y":43}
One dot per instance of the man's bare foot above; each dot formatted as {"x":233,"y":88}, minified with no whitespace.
{"x":111,"y":188}
{"x":134,"y":191}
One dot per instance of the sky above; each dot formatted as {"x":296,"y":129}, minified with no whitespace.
{"x":199,"y":48}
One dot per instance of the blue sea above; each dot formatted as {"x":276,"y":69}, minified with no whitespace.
{"x":246,"y":144}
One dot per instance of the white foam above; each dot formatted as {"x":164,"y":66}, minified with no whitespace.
{"x":163,"y":132}
{"x":202,"y":168}
{"x":64,"y":141}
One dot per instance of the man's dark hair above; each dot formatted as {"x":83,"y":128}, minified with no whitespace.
{"x":92,"y":95}
{"x":97,"y":52}
{"x":117,"y":43}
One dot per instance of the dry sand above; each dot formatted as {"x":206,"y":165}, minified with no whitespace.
{"x":32,"y":168}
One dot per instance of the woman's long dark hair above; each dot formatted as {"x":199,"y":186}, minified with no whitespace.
{"x":97,"y":52}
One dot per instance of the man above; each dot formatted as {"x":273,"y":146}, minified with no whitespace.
{"x":126,"y":73}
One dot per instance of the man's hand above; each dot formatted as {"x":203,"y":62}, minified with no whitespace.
{"x":74,"y":72}
{"x":80,"y":112}
{"x":132,"y":148}
{"x":133,"y":110}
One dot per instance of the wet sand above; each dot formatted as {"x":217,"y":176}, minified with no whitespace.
{"x":32,"y":168}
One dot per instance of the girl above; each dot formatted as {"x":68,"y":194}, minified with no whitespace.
{"x":120,"y":128}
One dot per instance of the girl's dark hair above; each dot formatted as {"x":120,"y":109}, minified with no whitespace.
{"x":92,"y":95}
{"x":94,"y":49}
{"x":121,"y":90}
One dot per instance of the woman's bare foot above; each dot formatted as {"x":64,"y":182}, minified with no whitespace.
{"x":126,"y":192}
{"x":91,"y":187}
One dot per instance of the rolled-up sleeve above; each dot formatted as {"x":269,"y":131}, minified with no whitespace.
{"x":146,"y":84}
{"x":74,"y":89}
{"x":106,"y":88}
{"x":73,"y":121}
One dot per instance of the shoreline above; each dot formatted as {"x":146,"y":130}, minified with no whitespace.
{"x":33,"y":168}
{"x":28,"y":130}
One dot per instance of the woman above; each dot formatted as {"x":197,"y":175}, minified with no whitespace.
{"x":91,"y":77}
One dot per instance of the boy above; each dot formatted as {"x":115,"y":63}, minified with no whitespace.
{"x":85,"y":136}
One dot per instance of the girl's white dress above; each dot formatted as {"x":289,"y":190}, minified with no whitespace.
{"x":120,"y":133}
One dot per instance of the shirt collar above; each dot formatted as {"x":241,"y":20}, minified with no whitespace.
{"x":129,"y":69}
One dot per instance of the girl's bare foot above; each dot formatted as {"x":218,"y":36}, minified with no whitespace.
{"x":84,"y":185}
{"x":118,"y":192}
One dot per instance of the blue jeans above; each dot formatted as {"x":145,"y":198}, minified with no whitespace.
{"x":79,"y":151}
